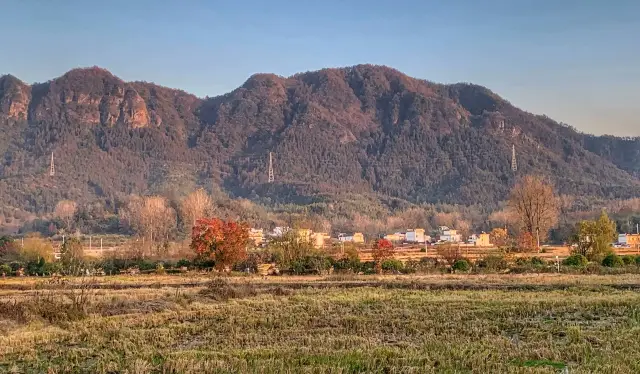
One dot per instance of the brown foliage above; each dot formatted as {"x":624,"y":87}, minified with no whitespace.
{"x":223,"y":241}
{"x":499,"y":237}
{"x":151,"y":217}
{"x":449,"y":253}
{"x":196,"y":205}
{"x":535,"y":205}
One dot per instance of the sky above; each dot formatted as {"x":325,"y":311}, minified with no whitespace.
{"x":576,"y":61}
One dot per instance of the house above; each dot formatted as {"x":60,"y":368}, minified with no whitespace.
{"x":481,"y":240}
{"x":632,"y":240}
{"x":319,"y":239}
{"x":415,"y":236}
{"x":256,"y":236}
{"x":397,"y":237}
{"x":279,"y":231}
{"x":304,"y":234}
{"x":356,"y":237}
{"x":449,"y":235}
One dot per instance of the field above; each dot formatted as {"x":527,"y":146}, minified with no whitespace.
{"x":334,"y":324}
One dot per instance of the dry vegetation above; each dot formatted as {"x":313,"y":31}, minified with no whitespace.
{"x":192,"y":324}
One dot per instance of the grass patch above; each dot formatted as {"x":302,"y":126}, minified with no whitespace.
{"x":391,"y":324}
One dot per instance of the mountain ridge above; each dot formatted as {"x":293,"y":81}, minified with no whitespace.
{"x":366,"y":129}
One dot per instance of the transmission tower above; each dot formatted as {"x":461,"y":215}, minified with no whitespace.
{"x":271,"y":178}
{"x":52,"y":170}
{"x":514,"y":162}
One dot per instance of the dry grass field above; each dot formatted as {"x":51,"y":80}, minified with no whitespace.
{"x":334,"y":324}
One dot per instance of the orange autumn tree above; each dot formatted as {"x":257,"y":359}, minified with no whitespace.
{"x":225,"y":242}
{"x":382,"y":250}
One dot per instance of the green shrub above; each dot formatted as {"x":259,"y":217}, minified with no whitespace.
{"x":145,"y":265}
{"x":183,"y":262}
{"x":576,"y":260}
{"x":348,"y":265}
{"x":638,"y":260}
{"x":612,"y":260}
{"x":314,"y":264}
{"x":392,"y":265}
{"x":629,"y":259}
{"x":537,"y":261}
{"x":493,"y":262}
{"x":5,"y":269}
{"x":461,"y":265}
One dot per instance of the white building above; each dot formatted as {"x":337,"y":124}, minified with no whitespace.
{"x":415,"y":236}
{"x":279,"y":231}
{"x":449,"y":235}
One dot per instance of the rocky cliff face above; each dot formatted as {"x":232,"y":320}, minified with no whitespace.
{"x":89,"y":96}
{"x":15,"y":97}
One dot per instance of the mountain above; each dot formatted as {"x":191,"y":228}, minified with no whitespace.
{"x":367,"y":130}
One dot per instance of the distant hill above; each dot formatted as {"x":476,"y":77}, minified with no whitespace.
{"x":365,"y":129}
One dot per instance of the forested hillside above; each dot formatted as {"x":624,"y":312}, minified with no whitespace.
{"x":367,"y":130}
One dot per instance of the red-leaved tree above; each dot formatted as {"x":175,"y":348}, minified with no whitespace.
{"x":223,"y":241}
{"x":382,"y":250}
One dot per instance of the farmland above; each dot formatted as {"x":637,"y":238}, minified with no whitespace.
{"x":435,"y":323}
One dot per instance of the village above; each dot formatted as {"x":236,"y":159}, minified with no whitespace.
{"x":416,"y":236}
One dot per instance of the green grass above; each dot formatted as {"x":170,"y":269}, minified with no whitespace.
{"x":589,"y":329}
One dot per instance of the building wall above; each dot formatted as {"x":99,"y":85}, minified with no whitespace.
{"x":483,"y":240}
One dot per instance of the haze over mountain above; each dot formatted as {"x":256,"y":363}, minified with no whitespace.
{"x":364,"y":129}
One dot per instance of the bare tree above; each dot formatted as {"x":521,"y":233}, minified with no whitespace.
{"x":195,"y":206}
{"x":535,"y":205}
{"x":65,"y":211}
{"x":151,"y":217}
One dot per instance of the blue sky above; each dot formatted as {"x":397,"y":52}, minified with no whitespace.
{"x":576,"y":61}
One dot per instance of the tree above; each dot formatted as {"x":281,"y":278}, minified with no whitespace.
{"x":151,"y":217}
{"x":36,"y":249}
{"x":65,"y":211}
{"x":526,"y":242}
{"x":449,"y":253}
{"x":196,"y":205}
{"x":289,"y":249}
{"x":72,"y":256}
{"x":593,"y":239}
{"x":223,"y":241}
{"x":499,"y":237}
{"x":535,"y":205}
{"x":9,"y":251}
{"x":382,"y":250}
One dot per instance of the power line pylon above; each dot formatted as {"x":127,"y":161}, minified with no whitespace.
{"x":271,"y":177}
{"x":52,"y":169}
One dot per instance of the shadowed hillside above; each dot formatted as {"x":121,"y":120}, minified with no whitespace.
{"x":365,"y":129}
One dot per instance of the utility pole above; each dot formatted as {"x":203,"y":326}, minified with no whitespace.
{"x":271,"y":177}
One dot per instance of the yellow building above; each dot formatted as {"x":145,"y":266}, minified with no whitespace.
{"x":319,"y":239}
{"x":483,"y":240}
{"x":396,"y":237}
{"x":355,"y":238}
{"x":256,"y":236}
{"x":304,"y":234}
{"x":632,"y":240}
{"x":358,"y":237}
